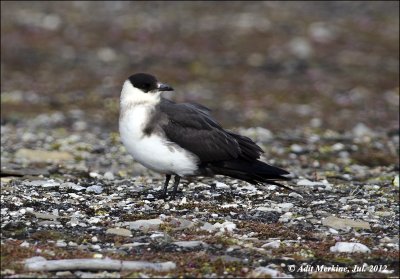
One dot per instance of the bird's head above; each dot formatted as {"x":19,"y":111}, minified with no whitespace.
{"x":148,"y":83}
{"x":142,"y":87}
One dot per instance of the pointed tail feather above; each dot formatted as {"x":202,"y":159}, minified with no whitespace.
{"x":255,"y":172}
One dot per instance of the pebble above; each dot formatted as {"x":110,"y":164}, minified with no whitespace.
{"x":306,"y":182}
{"x":221,"y":185}
{"x":396,"y":181}
{"x":24,"y":244}
{"x":134,"y":244}
{"x":190,"y":244}
{"x":383,"y":213}
{"x":285,"y":206}
{"x":260,"y":134}
{"x":157,"y":235}
{"x":333,"y":231}
{"x":285,"y":217}
{"x":295,"y":195}
{"x":207,"y":227}
{"x":42,"y":183}
{"x":268,"y":209}
{"x":94,"y":174}
{"x":43,"y":155}
{"x":119,"y":231}
{"x":46,"y":216}
{"x":98,"y":256}
{"x":72,"y":186}
{"x":67,"y":274}
{"x":183,"y":201}
{"x":180,"y":223}
{"x":109,"y":176}
{"x":361,"y":130}
{"x":360,"y":201}
{"x":95,"y":247}
{"x":7,"y":272}
{"x":349,"y":247}
{"x":102,"y":274}
{"x":72,"y":244}
{"x":95,"y":188}
{"x":272,"y":245}
{"x":318,"y":202}
{"x":61,"y":243}
{"x":322,"y":32}
{"x":226,"y":226}
{"x":266,"y":271}
{"x":340,"y":223}
{"x":296,"y":148}
{"x":49,"y":223}
{"x":94,"y":220}
{"x":143,"y":224}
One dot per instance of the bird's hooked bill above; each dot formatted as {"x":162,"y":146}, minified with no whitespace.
{"x":164,"y":87}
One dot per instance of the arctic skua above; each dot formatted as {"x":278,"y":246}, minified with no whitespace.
{"x":183,"y":139}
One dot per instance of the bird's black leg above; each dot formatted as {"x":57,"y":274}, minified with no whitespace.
{"x":164,"y":193}
{"x":176,"y":183}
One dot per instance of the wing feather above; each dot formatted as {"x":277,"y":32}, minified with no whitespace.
{"x":192,"y":128}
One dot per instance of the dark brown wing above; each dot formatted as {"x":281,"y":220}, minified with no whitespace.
{"x":192,"y":127}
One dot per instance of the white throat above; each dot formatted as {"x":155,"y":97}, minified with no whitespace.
{"x":131,"y":96}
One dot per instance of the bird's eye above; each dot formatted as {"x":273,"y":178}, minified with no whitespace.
{"x":146,"y":86}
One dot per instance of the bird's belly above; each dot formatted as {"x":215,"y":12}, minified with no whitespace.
{"x":153,"y":151}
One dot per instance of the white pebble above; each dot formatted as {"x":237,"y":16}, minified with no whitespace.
{"x":349,"y":247}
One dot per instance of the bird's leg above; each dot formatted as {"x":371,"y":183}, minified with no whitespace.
{"x":176,"y":183}
{"x":167,"y":178}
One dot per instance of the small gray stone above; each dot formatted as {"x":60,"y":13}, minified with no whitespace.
{"x":43,"y":156}
{"x":119,"y":231}
{"x":272,"y":245}
{"x":207,"y":227}
{"x":296,"y":148}
{"x":181,"y":223}
{"x":134,"y":244}
{"x":349,"y":247}
{"x":362,"y":130}
{"x":221,"y":185}
{"x":339,"y":223}
{"x":95,"y":188}
{"x":42,"y":183}
{"x":46,"y":216}
{"x":49,"y":223}
{"x":263,"y":271}
{"x":268,"y":209}
{"x":190,"y":244}
{"x":109,"y":176}
{"x":150,"y":224}
{"x":286,"y":206}
{"x":384,"y":213}
{"x":72,"y":186}
{"x":67,"y":274}
{"x":61,"y":243}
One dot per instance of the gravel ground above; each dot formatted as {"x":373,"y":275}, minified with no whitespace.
{"x":78,"y":194}
{"x":315,"y":84}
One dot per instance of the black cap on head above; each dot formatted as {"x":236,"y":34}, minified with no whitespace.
{"x":144,"y":81}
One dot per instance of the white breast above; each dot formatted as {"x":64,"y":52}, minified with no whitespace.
{"x":153,"y":151}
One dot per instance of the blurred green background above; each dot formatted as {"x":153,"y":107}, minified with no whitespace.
{"x":279,"y":65}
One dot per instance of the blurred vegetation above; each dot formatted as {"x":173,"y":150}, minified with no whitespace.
{"x":329,"y":64}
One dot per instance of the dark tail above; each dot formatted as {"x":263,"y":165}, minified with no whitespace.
{"x":254,"y":172}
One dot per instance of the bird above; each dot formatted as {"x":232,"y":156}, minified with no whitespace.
{"x":183,"y":139}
